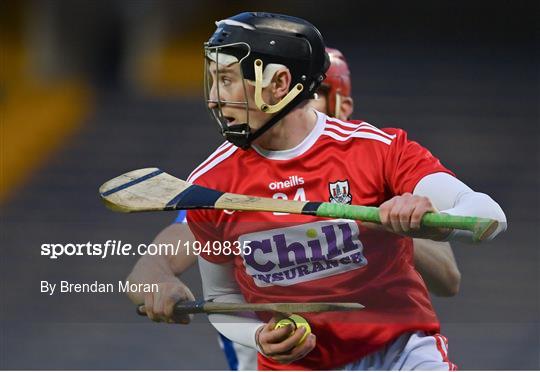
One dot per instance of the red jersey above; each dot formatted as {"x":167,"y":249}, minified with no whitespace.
{"x":298,"y":258}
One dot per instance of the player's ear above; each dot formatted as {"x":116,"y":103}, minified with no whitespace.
{"x":346,"y":108}
{"x":281,"y":82}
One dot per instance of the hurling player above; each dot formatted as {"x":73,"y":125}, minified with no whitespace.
{"x":262,"y":69}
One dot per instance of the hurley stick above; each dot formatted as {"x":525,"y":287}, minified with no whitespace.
{"x":151,"y":189}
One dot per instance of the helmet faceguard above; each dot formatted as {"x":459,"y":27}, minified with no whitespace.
{"x":222,"y":59}
{"x":259,"y":42}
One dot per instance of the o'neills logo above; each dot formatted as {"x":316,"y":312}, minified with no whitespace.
{"x":303,"y":253}
{"x":290,"y":182}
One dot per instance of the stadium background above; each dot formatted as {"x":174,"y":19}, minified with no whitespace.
{"x":91,"y":89}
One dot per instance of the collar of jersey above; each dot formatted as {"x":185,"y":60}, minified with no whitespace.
{"x":299,"y":149}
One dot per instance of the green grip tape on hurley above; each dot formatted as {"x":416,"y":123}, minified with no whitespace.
{"x":480,"y":227}
{"x":352,"y":212}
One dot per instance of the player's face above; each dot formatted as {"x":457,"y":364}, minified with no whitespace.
{"x":234,"y":95}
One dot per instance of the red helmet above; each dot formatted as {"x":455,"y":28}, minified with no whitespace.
{"x":338,"y":80}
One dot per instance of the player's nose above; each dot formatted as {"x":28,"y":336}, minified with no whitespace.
{"x":212,"y":97}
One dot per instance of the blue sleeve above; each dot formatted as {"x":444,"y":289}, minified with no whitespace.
{"x":181,"y":218}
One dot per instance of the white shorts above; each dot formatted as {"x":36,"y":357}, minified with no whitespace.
{"x":409,"y":352}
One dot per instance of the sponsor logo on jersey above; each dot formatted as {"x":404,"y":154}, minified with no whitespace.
{"x":290,"y":182}
{"x":340,"y":192}
{"x":302,"y":253}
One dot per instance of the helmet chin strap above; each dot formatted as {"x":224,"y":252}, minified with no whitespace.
{"x":240,"y":134}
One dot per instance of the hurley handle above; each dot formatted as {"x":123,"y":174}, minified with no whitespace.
{"x":480,"y":227}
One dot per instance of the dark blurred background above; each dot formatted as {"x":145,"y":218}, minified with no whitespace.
{"x":92,"y":89}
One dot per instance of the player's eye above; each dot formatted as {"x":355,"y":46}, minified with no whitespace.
{"x":225,"y":80}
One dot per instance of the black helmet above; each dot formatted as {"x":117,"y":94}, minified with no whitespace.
{"x":257,"y":39}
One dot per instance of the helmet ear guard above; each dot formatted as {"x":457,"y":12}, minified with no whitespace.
{"x":259,"y":101}
{"x":271,"y":39}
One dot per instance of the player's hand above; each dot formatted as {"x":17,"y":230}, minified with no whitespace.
{"x":403,"y":215}
{"x":159,"y":305}
{"x":276,"y":344}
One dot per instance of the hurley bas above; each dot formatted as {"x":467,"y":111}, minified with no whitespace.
{"x":96,"y":287}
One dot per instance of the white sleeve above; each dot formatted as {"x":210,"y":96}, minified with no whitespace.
{"x":451,"y":196}
{"x":219,"y":285}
